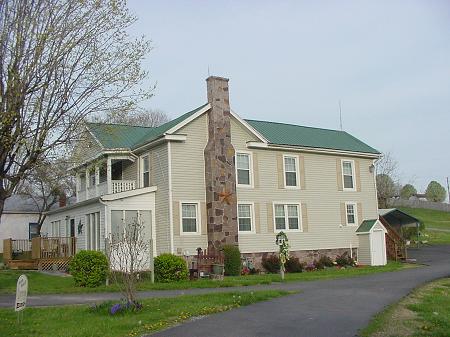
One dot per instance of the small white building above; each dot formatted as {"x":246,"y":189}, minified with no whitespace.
{"x":19,"y":219}
{"x":372,"y":243}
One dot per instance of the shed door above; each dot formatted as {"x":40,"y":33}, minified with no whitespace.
{"x":378,"y":248}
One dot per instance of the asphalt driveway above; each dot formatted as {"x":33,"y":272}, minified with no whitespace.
{"x":332,"y":308}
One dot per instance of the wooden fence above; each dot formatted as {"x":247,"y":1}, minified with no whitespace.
{"x":438,"y":206}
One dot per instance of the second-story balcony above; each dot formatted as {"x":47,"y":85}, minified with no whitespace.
{"x":106,"y":177}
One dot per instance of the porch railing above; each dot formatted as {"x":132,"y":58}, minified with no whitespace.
{"x":53,"y":247}
{"x":123,"y":185}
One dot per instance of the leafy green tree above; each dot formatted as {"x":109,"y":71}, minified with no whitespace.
{"x":385,"y":189}
{"x":435,"y":192}
{"x":407,"y":191}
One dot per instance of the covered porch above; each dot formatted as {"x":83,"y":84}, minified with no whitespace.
{"x":113,"y":174}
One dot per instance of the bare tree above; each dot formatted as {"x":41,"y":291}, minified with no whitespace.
{"x":151,"y":118}
{"x":387,"y":179}
{"x":60,"y":61}
{"x":46,"y":184}
{"x":129,"y":254}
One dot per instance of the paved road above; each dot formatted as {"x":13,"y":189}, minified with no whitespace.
{"x":334,"y":308}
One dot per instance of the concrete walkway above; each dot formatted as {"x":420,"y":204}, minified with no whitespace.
{"x":333,"y":308}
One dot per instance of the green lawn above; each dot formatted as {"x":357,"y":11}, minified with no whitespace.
{"x":425,"y":312}
{"x":437,"y":224}
{"x":48,"y":284}
{"x":157,"y":314}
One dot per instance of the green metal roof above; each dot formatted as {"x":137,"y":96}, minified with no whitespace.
{"x":131,"y":137}
{"x":366,"y":226}
{"x":113,"y":136}
{"x":296,"y":135}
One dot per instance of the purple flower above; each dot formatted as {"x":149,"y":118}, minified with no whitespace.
{"x":116,"y":308}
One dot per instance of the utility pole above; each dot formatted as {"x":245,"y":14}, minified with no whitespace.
{"x":340,"y":115}
{"x":448,"y":191}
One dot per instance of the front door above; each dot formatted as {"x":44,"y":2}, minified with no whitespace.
{"x":72,"y":228}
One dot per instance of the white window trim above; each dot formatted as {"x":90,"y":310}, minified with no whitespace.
{"x":198,"y":214}
{"x":353,"y":175}
{"x":141,"y":178}
{"x":297,"y":174}
{"x":252,"y":215}
{"x":355,"y":210}
{"x":285,"y":203}
{"x":250,"y":163}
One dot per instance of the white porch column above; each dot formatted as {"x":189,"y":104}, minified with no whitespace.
{"x":97,"y":179}
{"x":78,"y":185}
{"x":108,"y":175}
{"x":87,"y":181}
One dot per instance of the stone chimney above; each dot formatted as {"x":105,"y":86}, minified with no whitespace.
{"x":220,"y":173}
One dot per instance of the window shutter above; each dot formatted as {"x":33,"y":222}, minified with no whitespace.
{"x":255,"y":170}
{"x":302,"y":172}
{"x":343,"y":214}
{"x":360,"y":214}
{"x":152,"y":167}
{"x":358,"y":176}
{"x":257,"y":219}
{"x":305,"y":225}
{"x":280,"y":170}
{"x":176,"y":218}
{"x":204,"y":218}
{"x":339,"y":174}
{"x":270,"y":224}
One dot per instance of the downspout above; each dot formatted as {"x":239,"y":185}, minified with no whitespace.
{"x":106,"y":223}
{"x":169,"y":157}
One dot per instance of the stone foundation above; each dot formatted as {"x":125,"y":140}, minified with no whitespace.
{"x":305,"y":256}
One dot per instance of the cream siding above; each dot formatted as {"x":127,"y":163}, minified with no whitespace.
{"x":159,"y":177}
{"x":364,"y":255}
{"x":321,"y":198}
{"x":129,"y":170}
{"x":188,"y":182}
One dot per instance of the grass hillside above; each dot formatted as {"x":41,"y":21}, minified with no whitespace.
{"x":437,"y":224}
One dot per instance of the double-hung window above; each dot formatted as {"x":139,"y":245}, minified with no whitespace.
{"x":189,"y":218}
{"x":245,"y":218}
{"x":290,"y":171}
{"x":348,"y":175}
{"x":243,"y":168}
{"x":350,"y":211}
{"x":287,"y":217}
{"x":145,"y":171}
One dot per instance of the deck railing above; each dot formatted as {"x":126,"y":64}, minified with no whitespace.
{"x":53,"y":247}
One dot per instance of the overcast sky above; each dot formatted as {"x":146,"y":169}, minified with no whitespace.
{"x":388,"y":62}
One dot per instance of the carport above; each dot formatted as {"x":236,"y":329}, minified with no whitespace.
{"x":398,"y":220}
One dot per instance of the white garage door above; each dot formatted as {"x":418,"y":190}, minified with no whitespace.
{"x":378,"y":249}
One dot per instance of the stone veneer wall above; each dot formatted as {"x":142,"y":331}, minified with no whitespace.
{"x":220,"y":173}
{"x":306,"y":256}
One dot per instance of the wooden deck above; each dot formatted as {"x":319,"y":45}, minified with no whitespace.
{"x":52,"y":253}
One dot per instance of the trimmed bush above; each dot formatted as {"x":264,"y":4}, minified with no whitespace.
{"x":318,"y":264}
{"x":170,"y":268}
{"x":271,"y":263}
{"x":89,"y":268}
{"x":232,"y":263}
{"x":293,"y":265}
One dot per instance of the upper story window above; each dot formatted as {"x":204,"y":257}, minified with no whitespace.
{"x":290,"y":171}
{"x":82,"y":181}
{"x":245,"y":218}
{"x":348,"y":175}
{"x":350,"y":210}
{"x":145,"y":171}
{"x":243,"y":168}
{"x":287,"y":217}
{"x":189,"y":218}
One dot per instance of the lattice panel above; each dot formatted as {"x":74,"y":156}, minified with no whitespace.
{"x":61,"y":264}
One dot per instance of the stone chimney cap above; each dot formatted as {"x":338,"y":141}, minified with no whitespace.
{"x":218,"y":78}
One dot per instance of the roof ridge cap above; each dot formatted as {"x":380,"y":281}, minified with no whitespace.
{"x":290,"y":124}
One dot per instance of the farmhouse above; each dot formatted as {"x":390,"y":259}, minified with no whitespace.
{"x":209,"y":178}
